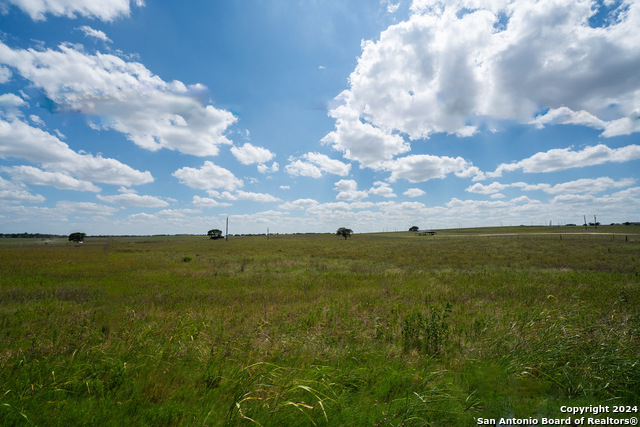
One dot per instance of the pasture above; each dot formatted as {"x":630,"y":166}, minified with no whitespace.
{"x":381,"y":329}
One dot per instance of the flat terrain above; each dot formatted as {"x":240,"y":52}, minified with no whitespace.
{"x":380,"y":329}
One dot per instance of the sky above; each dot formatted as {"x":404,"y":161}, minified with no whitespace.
{"x":162,"y":117}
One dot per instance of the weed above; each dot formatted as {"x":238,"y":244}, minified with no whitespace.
{"x":426,"y":332}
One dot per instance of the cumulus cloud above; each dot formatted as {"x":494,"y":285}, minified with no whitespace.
{"x":16,"y":193}
{"x":423,"y":167}
{"x":414,"y":192}
{"x":299,"y":204}
{"x":566,"y":158}
{"x":456,"y":66}
{"x":589,"y":185}
{"x":494,"y":187}
{"x":275,"y":167}
{"x":244,"y":195}
{"x":392,"y":8}
{"x":106,"y":10}
{"x":564,"y":115}
{"x":300,"y":168}
{"x":584,"y":185}
{"x":12,"y":101}
{"x":347,"y":190}
{"x":124,"y":96}
{"x":327,"y":164}
{"x":362,"y":142}
{"x":209,"y":176}
{"x":20,"y":140}
{"x":382,"y":189}
{"x":5,"y":75}
{"x":208,"y":202}
{"x":249,"y":154}
{"x":84,"y":208}
{"x":132,"y":199}
{"x":93,"y":33}
{"x":34,"y":176}
{"x":314,"y":164}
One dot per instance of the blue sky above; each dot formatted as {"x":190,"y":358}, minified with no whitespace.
{"x":132,"y":117}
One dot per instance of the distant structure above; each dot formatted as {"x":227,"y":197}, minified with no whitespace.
{"x":426,"y":233}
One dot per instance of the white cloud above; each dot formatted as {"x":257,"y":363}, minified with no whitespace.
{"x":209,"y":176}
{"x":456,"y":66}
{"x":125,"y":96}
{"x":96,"y":34}
{"x":584,"y":185}
{"x":589,"y":185}
{"x":564,"y":115}
{"x":36,"y":120}
{"x":327,"y":164}
{"x":255,"y":197}
{"x":35,"y":176}
{"x":84,"y":208}
{"x":208,"y":202}
{"x":132,"y":199}
{"x":18,"y":139}
{"x":11,"y":100}
{"x":347,"y":190}
{"x":623,"y":126}
{"x":275,"y":167}
{"x":382,"y":189}
{"x":300,"y":168}
{"x":566,"y":158}
{"x":249,"y":154}
{"x":299,"y":204}
{"x":494,"y":187}
{"x":630,"y":193}
{"x":392,"y":8}
{"x":313,"y":164}
{"x":244,"y":195}
{"x":423,"y":167}
{"x":106,"y":10}
{"x":360,"y":141}
{"x":142,"y":217}
{"x":126,"y":190}
{"x":15,"y":193}
{"x":414,"y":192}
{"x":5,"y":75}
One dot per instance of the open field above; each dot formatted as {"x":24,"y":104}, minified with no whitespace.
{"x":380,"y":329}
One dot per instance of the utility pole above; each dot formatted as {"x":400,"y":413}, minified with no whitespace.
{"x":226,"y":234}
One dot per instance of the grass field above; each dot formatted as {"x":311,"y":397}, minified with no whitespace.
{"x":380,"y":329}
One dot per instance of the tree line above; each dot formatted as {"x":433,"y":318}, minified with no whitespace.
{"x":30,"y":235}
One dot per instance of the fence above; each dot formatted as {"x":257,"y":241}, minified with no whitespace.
{"x":614,"y":237}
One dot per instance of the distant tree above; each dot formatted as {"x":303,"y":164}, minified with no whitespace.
{"x":77,"y":237}
{"x":414,"y":228}
{"x":344,"y":232}
{"x":214,"y":234}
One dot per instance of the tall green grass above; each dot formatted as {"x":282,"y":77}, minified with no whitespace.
{"x":383,"y":329}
